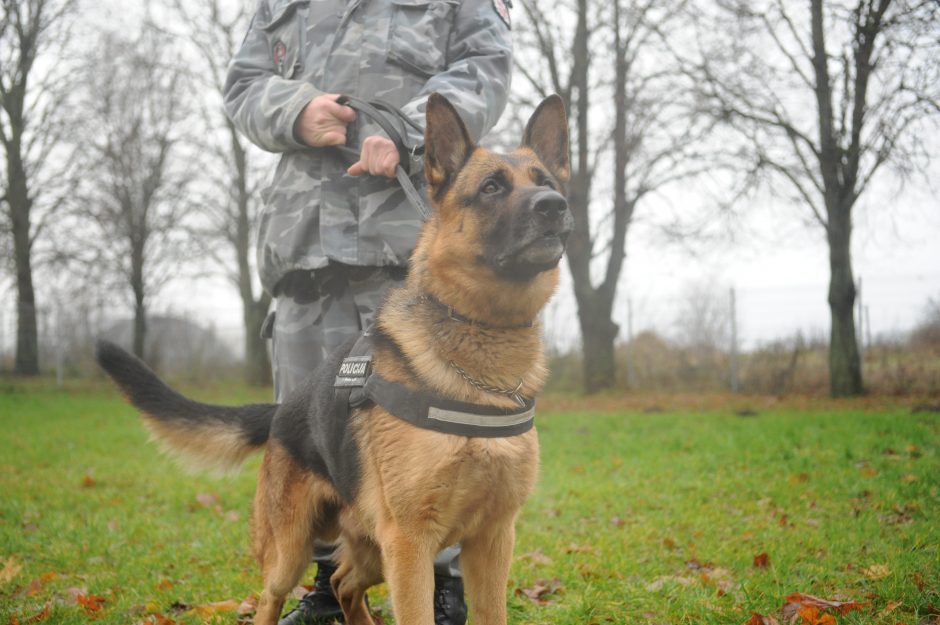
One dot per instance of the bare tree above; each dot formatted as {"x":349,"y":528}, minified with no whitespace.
{"x":35,"y":180}
{"x":136,"y":179}
{"x":823,"y":95}
{"x":649,"y":139}
{"x":232,"y":199}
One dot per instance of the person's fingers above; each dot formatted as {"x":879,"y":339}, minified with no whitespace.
{"x":339,"y":111}
{"x":388,"y":165}
{"x":356,"y":169}
{"x":331,"y":137}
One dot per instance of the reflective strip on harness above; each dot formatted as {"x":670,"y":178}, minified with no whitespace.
{"x":488,"y":421}
{"x":424,"y":410}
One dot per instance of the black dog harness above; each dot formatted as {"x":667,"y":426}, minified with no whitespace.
{"x":357,"y":384}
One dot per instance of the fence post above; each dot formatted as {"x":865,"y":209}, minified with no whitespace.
{"x":859,"y":334}
{"x":59,"y":348}
{"x":734,"y":343}
{"x":631,"y":371}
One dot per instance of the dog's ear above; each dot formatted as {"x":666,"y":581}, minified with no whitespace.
{"x":546,"y":134}
{"x":447,"y":143}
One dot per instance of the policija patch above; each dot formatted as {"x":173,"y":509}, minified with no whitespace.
{"x":280,"y":51}
{"x":502,"y":10}
{"x":354,"y":371}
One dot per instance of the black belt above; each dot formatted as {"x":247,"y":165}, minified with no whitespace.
{"x":310,"y":284}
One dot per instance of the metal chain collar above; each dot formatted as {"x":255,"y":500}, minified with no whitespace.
{"x":513,"y":393}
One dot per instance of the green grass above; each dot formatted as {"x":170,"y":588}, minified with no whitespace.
{"x":627,"y":506}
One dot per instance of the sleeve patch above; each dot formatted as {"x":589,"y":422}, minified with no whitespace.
{"x":502,"y":10}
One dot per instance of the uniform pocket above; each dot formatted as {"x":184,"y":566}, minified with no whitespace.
{"x":286,"y":34}
{"x":419,"y":33}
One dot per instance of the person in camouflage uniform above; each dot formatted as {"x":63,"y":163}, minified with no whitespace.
{"x":332,"y":240}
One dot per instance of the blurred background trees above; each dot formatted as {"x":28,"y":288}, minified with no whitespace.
{"x":822,"y":96}
{"x":124,"y":185}
{"x":37,"y":176}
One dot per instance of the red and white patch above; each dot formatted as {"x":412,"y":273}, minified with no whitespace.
{"x":502,"y":11}
{"x":280,"y":51}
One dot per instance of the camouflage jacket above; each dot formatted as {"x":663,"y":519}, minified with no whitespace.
{"x":399,"y":51}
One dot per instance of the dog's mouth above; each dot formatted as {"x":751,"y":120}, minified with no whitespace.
{"x":534,"y":254}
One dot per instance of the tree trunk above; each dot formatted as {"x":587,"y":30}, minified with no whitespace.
{"x":257,"y":362}
{"x":845,"y":373}
{"x":598,"y":333}
{"x":140,"y":305}
{"x":27,"y":338}
{"x":140,"y":325}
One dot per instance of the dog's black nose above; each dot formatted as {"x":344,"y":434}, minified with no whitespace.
{"x":549,"y":203}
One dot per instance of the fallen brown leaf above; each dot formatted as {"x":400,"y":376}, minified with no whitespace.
{"x":659,"y":582}
{"x":207,"y":500}
{"x":539,"y":592}
{"x":91,"y":604}
{"x":299,"y":591}
{"x":538,"y":557}
{"x":811,"y":615}
{"x":876,"y":571}
{"x":798,"y":479}
{"x":891,"y":607}
{"x":35,"y":586}
{"x":760,"y":619}
{"x":797,"y":601}
{"x":35,"y":618}
{"x":208,"y":609}
{"x":248,"y":606}
{"x":11,"y":568}
{"x":88,"y":481}
{"x":761,"y":561}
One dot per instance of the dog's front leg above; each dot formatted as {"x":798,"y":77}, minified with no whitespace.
{"x":409,"y":572}
{"x":485,"y":561}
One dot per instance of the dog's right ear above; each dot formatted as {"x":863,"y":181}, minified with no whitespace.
{"x":447,"y":143}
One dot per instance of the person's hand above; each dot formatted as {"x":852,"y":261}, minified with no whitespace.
{"x":323,"y":122}
{"x":378,"y":157}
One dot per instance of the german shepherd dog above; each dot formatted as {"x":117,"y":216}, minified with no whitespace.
{"x":485,"y":263}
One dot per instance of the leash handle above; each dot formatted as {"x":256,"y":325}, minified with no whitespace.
{"x":373,"y":110}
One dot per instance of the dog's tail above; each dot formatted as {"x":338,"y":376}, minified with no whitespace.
{"x":202,"y":435}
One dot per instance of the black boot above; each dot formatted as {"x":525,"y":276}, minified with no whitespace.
{"x":319,"y":606}
{"x":449,"y":605}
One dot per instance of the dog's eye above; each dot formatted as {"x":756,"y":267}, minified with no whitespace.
{"x":491,"y":186}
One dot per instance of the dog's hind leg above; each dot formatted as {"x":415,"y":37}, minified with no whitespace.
{"x":292,"y":507}
{"x":485,"y":560}
{"x":360,"y":567}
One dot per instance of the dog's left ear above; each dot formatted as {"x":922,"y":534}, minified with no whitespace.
{"x":447,"y":143}
{"x":546,"y":134}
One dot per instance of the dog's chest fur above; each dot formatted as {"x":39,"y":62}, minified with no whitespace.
{"x":458,"y":483}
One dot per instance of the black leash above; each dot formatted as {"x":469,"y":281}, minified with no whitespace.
{"x":374,"y":110}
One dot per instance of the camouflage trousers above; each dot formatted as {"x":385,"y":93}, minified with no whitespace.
{"x":316,"y":312}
